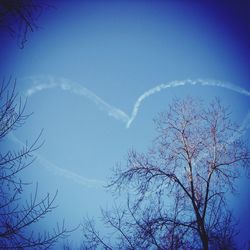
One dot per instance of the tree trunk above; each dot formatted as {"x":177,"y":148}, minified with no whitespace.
{"x":203,"y":236}
{"x":202,"y":231}
{"x":204,"y":240}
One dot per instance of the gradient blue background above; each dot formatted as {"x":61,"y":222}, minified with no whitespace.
{"x":118,"y":50}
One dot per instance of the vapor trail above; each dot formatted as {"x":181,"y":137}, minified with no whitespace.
{"x":90,"y":183}
{"x":41,"y":83}
{"x":173,"y":84}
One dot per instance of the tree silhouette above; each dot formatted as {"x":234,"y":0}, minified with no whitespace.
{"x":17,"y":217}
{"x":19,"y":17}
{"x":177,"y":190}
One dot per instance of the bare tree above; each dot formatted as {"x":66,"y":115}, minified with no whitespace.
{"x":19,"y":17}
{"x":177,"y":190}
{"x":17,"y":217}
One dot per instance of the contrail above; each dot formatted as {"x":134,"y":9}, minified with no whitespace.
{"x":173,"y":84}
{"x":41,"y":83}
{"x":89,"y":183}
{"x":213,"y":83}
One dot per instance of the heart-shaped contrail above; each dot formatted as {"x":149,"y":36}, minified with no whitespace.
{"x":42,"y":83}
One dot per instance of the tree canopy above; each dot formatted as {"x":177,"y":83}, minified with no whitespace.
{"x":177,"y":191}
{"x":17,"y":214}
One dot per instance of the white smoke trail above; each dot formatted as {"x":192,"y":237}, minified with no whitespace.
{"x":41,"y":83}
{"x":89,"y":183}
{"x":245,"y":125}
{"x":173,"y":84}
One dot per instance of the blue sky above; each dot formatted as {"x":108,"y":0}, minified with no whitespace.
{"x":91,"y":59}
